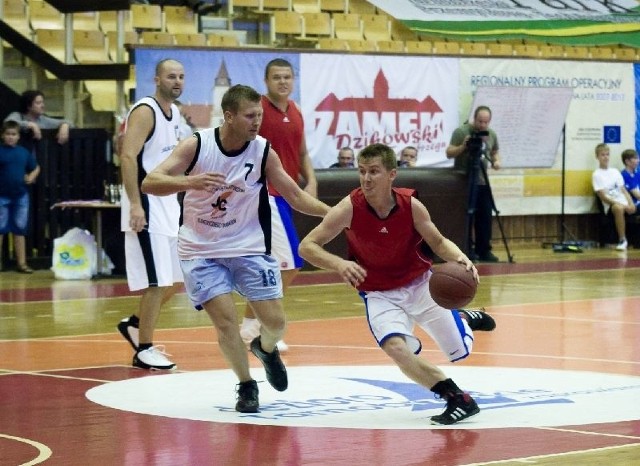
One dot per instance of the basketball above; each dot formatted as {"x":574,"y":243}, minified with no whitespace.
{"x":452,"y":286}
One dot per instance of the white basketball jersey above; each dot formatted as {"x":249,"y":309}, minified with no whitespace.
{"x":162,"y":212}
{"x":235,"y":219}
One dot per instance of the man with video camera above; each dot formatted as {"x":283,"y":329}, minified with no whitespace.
{"x":473,"y":147}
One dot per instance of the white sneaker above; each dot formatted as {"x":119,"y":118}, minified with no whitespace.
{"x":282,"y":346}
{"x":622,"y":245}
{"x":152,"y":358}
{"x":249,"y":330}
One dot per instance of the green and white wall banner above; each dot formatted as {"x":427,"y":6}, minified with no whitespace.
{"x":572,"y":22}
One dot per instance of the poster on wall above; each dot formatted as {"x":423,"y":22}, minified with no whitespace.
{"x":356,"y":100}
{"x":526,"y":140}
{"x":602,"y":109}
{"x":208,"y":75}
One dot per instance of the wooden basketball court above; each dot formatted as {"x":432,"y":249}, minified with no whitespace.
{"x":559,"y":313}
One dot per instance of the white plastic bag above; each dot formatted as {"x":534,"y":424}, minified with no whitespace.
{"x":74,"y":255}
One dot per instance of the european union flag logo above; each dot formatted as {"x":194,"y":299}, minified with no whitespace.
{"x":612,"y":134}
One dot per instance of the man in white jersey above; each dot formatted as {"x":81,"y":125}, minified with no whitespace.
{"x":224,"y":242}
{"x":150,"y":223}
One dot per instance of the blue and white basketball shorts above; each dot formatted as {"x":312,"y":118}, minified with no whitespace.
{"x":284,"y":239}
{"x":151,"y":260}
{"x":395,"y":312}
{"x":257,"y":278}
{"x":14,"y":215}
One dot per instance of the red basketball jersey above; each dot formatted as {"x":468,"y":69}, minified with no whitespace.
{"x":284,"y":130}
{"x":389,"y":249}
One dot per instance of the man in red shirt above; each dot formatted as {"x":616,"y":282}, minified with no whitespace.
{"x":283,"y":126}
{"x":385,"y":229}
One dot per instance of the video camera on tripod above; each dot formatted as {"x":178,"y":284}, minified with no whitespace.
{"x":475,"y":142}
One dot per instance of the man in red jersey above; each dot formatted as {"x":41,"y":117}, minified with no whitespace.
{"x":283,"y":126}
{"x":386,"y":228}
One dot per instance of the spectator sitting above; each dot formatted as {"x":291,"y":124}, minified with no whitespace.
{"x":609,"y":187}
{"x":631,"y":175}
{"x":408,"y":157}
{"x":345,"y":158}
{"x":32,"y":119}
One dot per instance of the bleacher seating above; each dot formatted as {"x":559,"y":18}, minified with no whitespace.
{"x":43,"y":16}
{"x":90,"y":46}
{"x":15,"y":15}
{"x":500,"y":50}
{"x":317,"y":25}
{"x":473,"y":48}
{"x":526,"y":50}
{"x":347,"y":26}
{"x":353,"y":25}
{"x":222,"y":40}
{"x":156,"y":38}
{"x":52,"y":40}
{"x":362,"y":7}
{"x":240,"y":7}
{"x":601,"y":53}
{"x":400,"y":32}
{"x":362,"y":45}
{"x":441,"y":47}
{"x":269,"y":6}
{"x":196,"y":39}
{"x":376,"y":27}
{"x":130,"y":37}
{"x":284,"y":26}
{"x":571,"y":51}
{"x":180,"y":20}
{"x":390,"y":46}
{"x":551,"y":51}
{"x":146,"y":17}
{"x":626,"y":53}
{"x":334,"y":6}
{"x":85,"y":21}
{"x":331,"y":43}
{"x":419,"y":46}
{"x":108,"y":21}
{"x":306,"y":6}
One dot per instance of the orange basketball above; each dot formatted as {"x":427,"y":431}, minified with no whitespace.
{"x":452,"y":286}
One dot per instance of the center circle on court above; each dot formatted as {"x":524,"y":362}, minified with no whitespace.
{"x":381,"y":397}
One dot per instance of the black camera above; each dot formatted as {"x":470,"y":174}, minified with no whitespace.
{"x":474,"y":143}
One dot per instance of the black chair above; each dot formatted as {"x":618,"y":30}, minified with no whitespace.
{"x":606,"y":225}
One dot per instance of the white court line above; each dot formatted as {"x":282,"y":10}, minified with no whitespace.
{"x":532,"y":459}
{"x":44,"y":452}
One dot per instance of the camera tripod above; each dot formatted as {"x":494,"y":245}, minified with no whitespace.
{"x":475,"y":151}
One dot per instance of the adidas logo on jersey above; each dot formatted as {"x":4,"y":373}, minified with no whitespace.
{"x":383,"y":230}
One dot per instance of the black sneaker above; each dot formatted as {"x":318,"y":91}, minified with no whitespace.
{"x":478,"y":319}
{"x":247,"y":394}
{"x":488,"y":257}
{"x":128,"y":328}
{"x":459,"y":407}
{"x":276,"y":372}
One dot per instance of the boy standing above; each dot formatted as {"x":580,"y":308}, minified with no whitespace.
{"x":18,"y":169}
